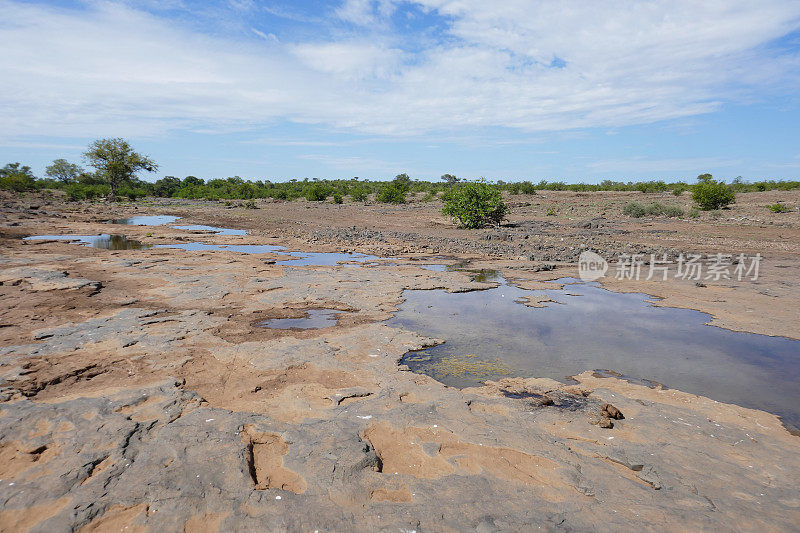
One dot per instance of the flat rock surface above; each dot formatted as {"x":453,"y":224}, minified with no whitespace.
{"x":138,"y":391}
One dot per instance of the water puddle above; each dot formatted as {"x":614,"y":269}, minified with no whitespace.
{"x":314,"y":319}
{"x":490,"y":335}
{"x":117,"y":242}
{"x":481,"y":275}
{"x":216,"y":230}
{"x":296,"y":259}
{"x":241,"y":248}
{"x":147,"y":220}
{"x":104,"y":241}
{"x":327,"y":259}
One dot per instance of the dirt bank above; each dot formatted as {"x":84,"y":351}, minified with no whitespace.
{"x":139,"y":391}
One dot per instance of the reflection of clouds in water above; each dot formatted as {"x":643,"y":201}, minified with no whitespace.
{"x":597,"y":328}
{"x":146,"y":220}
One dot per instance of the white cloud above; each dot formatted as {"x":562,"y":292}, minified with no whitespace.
{"x":113,"y":70}
{"x":350,"y":59}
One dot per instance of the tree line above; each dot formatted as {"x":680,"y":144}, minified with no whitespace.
{"x":116,"y":168}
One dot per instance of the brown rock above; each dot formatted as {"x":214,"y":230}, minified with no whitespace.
{"x":612,"y":411}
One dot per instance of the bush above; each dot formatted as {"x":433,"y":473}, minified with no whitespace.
{"x":18,"y":178}
{"x":317,"y":192}
{"x":132,"y":193}
{"x":359,"y":193}
{"x":672,"y":211}
{"x":395,"y":191}
{"x":82,"y":191}
{"x":711,"y":194}
{"x":778,"y":208}
{"x":337,"y":198}
{"x":475,"y":204}
{"x":637,"y":210}
{"x":430,"y":196}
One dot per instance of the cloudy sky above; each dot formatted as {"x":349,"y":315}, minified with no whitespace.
{"x":579,"y":90}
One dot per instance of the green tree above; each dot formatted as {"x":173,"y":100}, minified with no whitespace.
{"x":116,"y":162}
{"x":475,"y":204}
{"x":63,"y":171}
{"x":450,"y":179}
{"x":166,"y":186}
{"x":705,"y":178}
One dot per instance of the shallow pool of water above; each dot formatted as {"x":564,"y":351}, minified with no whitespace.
{"x":300,"y":258}
{"x":218,"y":231}
{"x":481,"y":275}
{"x":326,"y":259}
{"x":104,"y":241}
{"x":490,"y":334}
{"x":314,"y":319}
{"x":241,"y":248}
{"x":146,"y":220}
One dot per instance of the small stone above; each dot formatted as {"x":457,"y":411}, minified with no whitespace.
{"x":612,"y":411}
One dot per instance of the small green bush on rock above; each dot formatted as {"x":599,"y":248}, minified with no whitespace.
{"x":475,"y":204}
{"x":778,"y":208}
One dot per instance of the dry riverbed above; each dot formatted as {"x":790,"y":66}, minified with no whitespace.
{"x":140,"y":389}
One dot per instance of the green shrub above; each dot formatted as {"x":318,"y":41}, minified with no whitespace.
{"x":672,"y":211}
{"x":430,"y":196}
{"x":475,"y":204}
{"x":132,"y":193}
{"x":778,"y":208}
{"x":16,"y":177}
{"x":337,"y":198}
{"x":694,"y":212}
{"x":395,"y":191}
{"x":680,"y":189}
{"x":635,"y":210}
{"x":81,"y":191}
{"x":359,"y":193}
{"x":711,"y":194}
{"x":17,"y":183}
{"x":317,"y":192}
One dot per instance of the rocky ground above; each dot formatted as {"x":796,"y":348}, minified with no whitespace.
{"x":139,"y":392}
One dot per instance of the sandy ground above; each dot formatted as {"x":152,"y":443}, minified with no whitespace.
{"x":139,"y":392}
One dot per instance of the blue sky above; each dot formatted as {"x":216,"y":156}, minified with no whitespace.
{"x":578,"y":90}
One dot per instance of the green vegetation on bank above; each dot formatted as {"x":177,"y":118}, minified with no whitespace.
{"x":116,"y":167}
{"x":19,"y":178}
